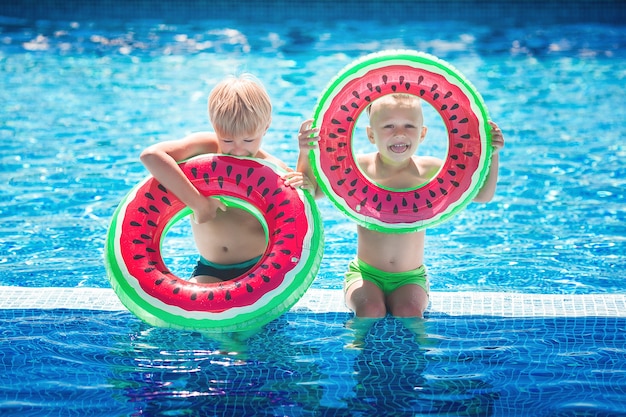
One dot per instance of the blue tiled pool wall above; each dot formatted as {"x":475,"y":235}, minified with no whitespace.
{"x":475,"y":366}
{"x":485,"y":11}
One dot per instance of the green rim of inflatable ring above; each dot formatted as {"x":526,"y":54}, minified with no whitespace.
{"x":469,"y":141}
{"x":153,"y":293}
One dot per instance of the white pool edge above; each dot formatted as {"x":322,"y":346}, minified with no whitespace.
{"x":497,"y":304}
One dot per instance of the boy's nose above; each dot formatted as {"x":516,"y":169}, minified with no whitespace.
{"x":238,"y":151}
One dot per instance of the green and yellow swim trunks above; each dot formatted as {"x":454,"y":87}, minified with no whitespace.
{"x":386,"y":281}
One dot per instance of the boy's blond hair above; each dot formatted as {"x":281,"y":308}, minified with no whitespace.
{"x":239,"y":106}
{"x":404,"y":98}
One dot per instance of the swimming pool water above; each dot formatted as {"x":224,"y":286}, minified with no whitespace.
{"x":82,"y":96}
{"x":470,"y":366}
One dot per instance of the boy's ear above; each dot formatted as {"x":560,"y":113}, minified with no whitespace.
{"x":370,"y":134}
{"x":267,"y":127}
{"x":423,"y":135}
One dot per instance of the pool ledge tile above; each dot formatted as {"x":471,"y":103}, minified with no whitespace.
{"x":500,"y":304}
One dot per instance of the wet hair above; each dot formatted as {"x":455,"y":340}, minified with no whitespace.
{"x":239,"y":106}
{"x":401,"y":97}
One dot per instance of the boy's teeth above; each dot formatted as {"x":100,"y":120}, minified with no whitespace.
{"x":398,"y":148}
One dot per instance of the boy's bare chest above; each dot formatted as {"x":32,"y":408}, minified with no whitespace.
{"x":400,"y":179}
{"x":237,"y":219}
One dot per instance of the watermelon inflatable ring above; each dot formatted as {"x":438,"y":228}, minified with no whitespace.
{"x":458,"y":103}
{"x":293,"y":229}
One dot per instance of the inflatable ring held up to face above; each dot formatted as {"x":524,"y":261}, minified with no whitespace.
{"x":455,"y":99}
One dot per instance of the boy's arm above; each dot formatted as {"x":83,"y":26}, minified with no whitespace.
{"x":488,"y":190}
{"x":307,"y":140}
{"x":162,"y":159}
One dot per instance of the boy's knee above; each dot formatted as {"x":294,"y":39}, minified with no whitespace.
{"x":408,"y":301}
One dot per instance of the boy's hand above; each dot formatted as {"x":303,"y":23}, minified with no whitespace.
{"x":497,"y":138}
{"x":308,"y":136}
{"x":208,"y":211}
{"x":296,"y":179}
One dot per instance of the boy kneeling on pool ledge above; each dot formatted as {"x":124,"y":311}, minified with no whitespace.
{"x":388,"y":274}
{"x":230,"y":240}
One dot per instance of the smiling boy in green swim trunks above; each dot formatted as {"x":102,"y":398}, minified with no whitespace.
{"x":389,"y":275}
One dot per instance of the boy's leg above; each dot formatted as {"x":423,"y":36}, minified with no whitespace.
{"x":366,"y":299}
{"x":409,"y":300}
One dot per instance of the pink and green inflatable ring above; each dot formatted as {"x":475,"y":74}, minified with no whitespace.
{"x":145,"y":285}
{"x":469,"y":142}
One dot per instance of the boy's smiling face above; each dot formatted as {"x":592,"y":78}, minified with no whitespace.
{"x":396,"y":127}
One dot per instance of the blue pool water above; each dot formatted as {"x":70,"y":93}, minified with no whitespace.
{"x":82,"y":95}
